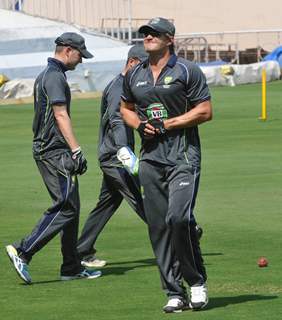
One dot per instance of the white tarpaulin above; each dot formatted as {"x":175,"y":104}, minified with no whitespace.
{"x":17,"y":88}
{"x":241,"y":74}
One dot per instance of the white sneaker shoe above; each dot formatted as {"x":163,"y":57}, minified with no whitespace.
{"x":92,"y":262}
{"x":19,"y":264}
{"x":199,"y":297}
{"x":175,"y":305}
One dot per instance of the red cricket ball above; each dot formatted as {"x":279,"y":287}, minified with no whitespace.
{"x":262,"y":262}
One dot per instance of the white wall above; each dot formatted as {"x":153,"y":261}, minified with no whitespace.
{"x":189,"y":16}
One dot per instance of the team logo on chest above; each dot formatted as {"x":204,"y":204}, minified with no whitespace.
{"x":156,"y":111}
{"x":167,"y":81}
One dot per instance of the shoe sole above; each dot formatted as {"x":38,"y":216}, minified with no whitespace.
{"x":67,"y":278}
{"x":177,"y":310}
{"x":174,"y":311}
{"x":93,"y":265}
{"x":14,"y":265}
{"x":198,"y":308}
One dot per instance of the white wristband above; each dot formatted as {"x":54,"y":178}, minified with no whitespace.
{"x":76,"y":150}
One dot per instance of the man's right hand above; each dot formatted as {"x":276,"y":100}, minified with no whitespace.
{"x":80,"y":163}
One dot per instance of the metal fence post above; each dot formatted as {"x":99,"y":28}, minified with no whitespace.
{"x":129,"y":22}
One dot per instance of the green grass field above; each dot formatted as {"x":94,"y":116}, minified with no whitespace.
{"x":239,"y":206}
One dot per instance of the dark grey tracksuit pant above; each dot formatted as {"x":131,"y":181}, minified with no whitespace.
{"x":117,"y":185}
{"x":169,"y":199}
{"x":62,"y":216}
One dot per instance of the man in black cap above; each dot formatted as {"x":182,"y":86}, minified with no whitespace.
{"x":118,"y":164}
{"x":165,"y":98}
{"x":59,"y":159}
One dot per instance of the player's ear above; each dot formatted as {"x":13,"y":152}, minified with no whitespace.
{"x":68,"y":51}
{"x":132,"y":62}
{"x":171,"y":41}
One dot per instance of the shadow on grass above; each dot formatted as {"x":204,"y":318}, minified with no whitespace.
{"x":150,"y":261}
{"x":220,"y":302}
{"x":119,"y":268}
{"x":42,"y":282}
{"x":212,"y":254}
{"x":112,"y":268}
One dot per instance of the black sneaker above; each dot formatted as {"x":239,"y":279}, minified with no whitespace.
{"x":175,"y":305}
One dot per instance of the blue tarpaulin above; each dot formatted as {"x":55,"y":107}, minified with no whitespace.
{"x":275,"y":55}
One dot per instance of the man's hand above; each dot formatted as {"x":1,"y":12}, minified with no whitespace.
{"x":146,"y":130}
{"x":128,"y":159}
{"x":158,"y":124}
{"x":80,"y":163}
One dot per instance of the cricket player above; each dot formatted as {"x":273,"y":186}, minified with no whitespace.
{"x":116,"y":145}
{"x":59,"y":159}
{"x":165,"y":98}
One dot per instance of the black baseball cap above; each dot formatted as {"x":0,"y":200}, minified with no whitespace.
{"x":159,"y":24}
{"x":75,"y":41}
{"x":137,"y":51}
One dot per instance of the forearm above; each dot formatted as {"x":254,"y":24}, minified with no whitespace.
{"x":64,"y":124}
{"x":201,"y":113}
{"x":129,"y":116}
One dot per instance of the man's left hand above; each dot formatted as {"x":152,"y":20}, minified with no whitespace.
{"x":128,"y":159}
{"x":80,"y":163}
{"x":158,"y":124}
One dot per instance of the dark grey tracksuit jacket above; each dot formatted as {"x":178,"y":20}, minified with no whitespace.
{"x":53,"y":158}
{"x":170,"y":168}
{"x":117,"y":184}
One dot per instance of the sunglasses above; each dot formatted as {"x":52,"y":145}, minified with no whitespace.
{"x":153,"y":33}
